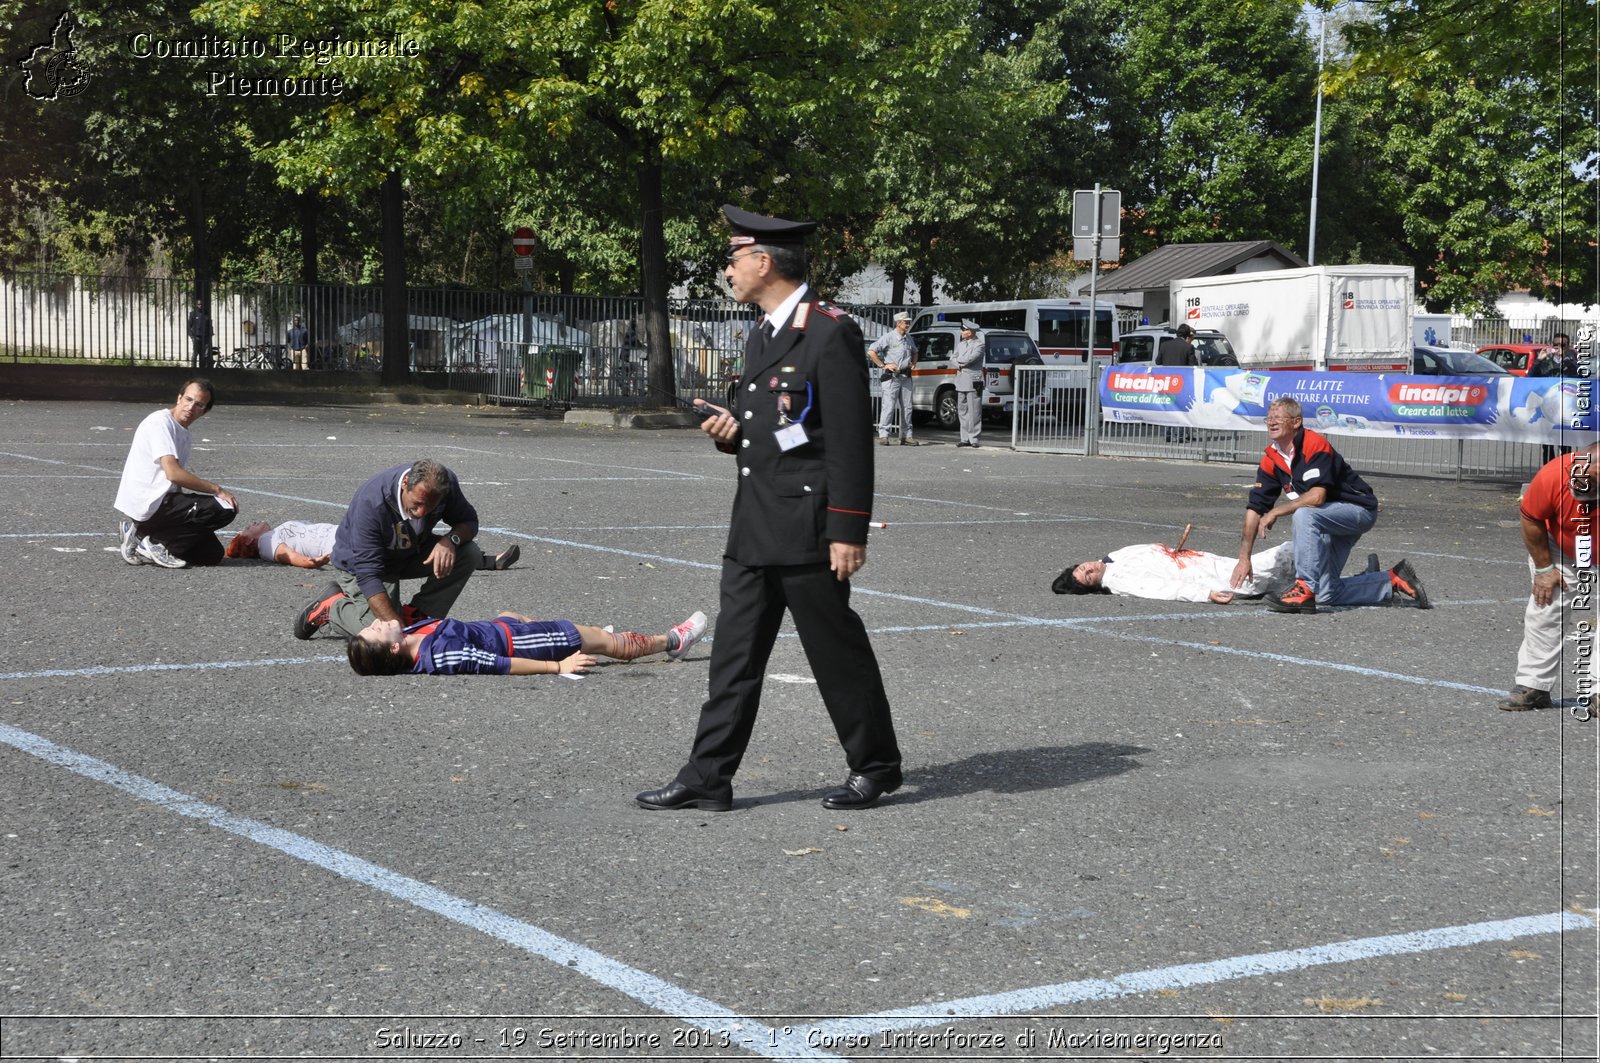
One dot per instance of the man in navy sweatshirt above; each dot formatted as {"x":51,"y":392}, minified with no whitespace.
{"x":1330,"y":507}
{"x":387,"y":535}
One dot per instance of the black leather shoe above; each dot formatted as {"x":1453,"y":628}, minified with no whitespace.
{"x":503,"y":560}
{"x":858,"y":791}
{"x":675,"y":795}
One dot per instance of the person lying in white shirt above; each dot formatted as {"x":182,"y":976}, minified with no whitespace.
{"x":1166,"y":573}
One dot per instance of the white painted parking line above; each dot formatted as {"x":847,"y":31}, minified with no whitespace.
{"x":994,"y":618}
{"x":650,"y":991}
{"x":192,"y":666}
{"x":787,"y":1042}
{"x":1187,"y":975}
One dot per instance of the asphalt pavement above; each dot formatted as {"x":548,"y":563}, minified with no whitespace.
{"x":1130,"y":829}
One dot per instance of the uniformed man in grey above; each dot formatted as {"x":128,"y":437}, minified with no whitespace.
{"x":800,"y":431}
{"x":896,"y":354}
{"x":968,"y":360}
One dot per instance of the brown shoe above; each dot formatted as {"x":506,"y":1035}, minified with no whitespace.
{"x":1524,"y":698}
{"x":910,"y":442}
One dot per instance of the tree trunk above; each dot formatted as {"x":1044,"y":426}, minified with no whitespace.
{"x":306,"y":202}
{"x":200,"y":265}
{"x":318,"y":325}
{"x":396,"y":320}
{"x":897,"y":290}
{"x":925,"y":294}
{"x":661,"y":380}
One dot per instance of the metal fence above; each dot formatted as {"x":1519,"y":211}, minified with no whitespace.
{"x":574,"y":350}
{"x":479,"y":339}
{"x":1066,"y":419}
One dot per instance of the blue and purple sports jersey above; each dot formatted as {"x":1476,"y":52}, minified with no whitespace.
{"x":485,"y":647}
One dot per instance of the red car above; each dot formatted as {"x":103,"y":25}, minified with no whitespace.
{"x":1515,"y":358}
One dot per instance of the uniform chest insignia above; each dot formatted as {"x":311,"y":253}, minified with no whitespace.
{"x":787,"y":369}
{"x":772,"y":383}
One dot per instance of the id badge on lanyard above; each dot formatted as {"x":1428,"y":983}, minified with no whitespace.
{"x":792,"y":433}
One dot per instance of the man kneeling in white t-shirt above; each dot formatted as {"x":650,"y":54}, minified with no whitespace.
{"x":170,"y":515}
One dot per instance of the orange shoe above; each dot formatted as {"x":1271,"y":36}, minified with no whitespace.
{"x":1297,"y":599}
{"x":1404,"y":579}
{"x":316,"y":614}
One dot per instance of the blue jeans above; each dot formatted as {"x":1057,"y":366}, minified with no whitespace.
{"x":1323,"y":538}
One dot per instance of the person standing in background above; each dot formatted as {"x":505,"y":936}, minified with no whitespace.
{"x":895,"y":353}
{"x":969,"y":383}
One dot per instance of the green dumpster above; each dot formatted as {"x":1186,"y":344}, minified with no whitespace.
{"x":548,"y":371}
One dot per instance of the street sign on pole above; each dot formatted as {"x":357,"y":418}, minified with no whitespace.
{"x":1096,"y":224}
{"x":523,"y":242}
{"x":1084,"y":214}
{"x":1096,"y":232}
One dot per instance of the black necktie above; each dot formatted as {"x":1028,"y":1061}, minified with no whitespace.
{"x":766,"y":336}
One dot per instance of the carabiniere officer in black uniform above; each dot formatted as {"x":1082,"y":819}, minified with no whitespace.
{"x":800,"y":429}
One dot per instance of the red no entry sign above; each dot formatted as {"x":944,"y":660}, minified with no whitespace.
{"x":522,"y":241}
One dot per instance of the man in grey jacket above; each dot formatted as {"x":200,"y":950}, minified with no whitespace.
{"x":969,"y":383}
{"x":387,"y":536}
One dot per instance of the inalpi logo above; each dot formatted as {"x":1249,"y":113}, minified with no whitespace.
{"x":1439,"y":394}
{"x":1155,"y":384}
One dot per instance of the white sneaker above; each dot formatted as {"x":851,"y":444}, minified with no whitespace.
{"x":685,"y":635}
{"x":157,"y":554}
{"x":128,"y":544}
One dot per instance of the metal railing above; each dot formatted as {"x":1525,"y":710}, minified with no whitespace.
{"x":464,"y":334}
{"x":1066,"y":419}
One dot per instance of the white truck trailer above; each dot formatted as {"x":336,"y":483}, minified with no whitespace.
{"x":1319,"y":317}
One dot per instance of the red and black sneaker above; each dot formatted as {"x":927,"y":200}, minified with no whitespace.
{"x":1297,"y":599}
{"x":1404,"y":579}
{"x":316,"y":614}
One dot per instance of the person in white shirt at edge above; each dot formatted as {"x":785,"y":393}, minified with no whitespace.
{"x":170,"y":515}
{"x":896,"y":354}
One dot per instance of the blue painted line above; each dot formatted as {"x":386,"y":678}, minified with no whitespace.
{"x":650,"y":991}
{"x":1187,"y":975}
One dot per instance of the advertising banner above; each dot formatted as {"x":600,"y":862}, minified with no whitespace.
{"x":1512,"y":408}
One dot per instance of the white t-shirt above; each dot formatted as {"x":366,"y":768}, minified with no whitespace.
{"x":312,"y":540}
{"x":144,"y":484}
{"x":1151,"y":570}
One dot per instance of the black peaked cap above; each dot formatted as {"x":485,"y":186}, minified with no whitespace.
{"x":761,"y":229}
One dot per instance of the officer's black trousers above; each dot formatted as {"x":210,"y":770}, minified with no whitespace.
{"x":836,"y":645}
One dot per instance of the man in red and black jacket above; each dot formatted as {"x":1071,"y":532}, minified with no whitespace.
{"x":1331,"y":506}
